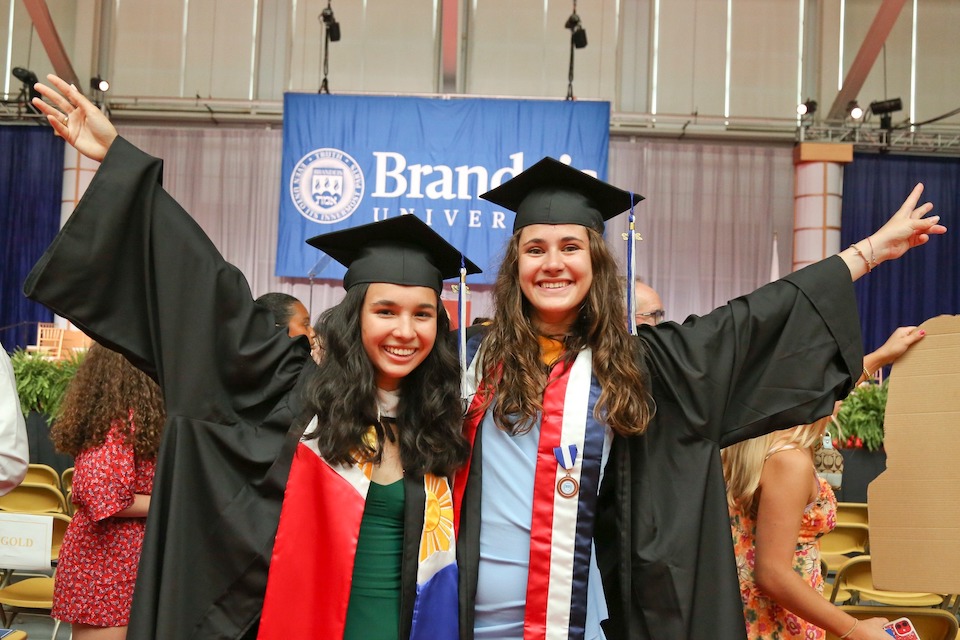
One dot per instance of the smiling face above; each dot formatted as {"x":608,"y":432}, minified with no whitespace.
{"x":398,"y":328}
{"x":555,"y":273}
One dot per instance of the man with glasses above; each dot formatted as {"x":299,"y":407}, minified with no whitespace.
{"x":649,"y":306}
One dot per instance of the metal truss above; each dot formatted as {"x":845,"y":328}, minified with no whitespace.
{"x":926,"y":141}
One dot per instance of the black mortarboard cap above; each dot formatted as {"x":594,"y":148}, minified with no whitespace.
{"x":402,"y":250}
{"x":551,"y":192}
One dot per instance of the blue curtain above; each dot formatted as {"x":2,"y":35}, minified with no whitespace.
{"x":31,"y":183}
{"x":925,"y":282}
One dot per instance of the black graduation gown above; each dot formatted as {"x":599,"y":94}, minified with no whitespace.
{"x":137,"y":274}
{"x":778,"y":357}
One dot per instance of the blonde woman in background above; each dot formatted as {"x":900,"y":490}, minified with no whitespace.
{"x":779,"y":510}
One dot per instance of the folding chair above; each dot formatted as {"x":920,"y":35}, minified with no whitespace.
{"x":931,"y":624}
{"x":49,"y":341}
{"x":28,"y":595}
{"x":66,"y":480}
{"x":844,"y":540}
{"x":32,"y":497}
{"x":852,"y":512}
{"x":856,"y":577}
{"x":42,"y":474}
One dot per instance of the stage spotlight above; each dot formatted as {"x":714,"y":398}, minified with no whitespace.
{"x":333,"y":27}
{"x":27,"y":92}
{"x":577,"y":33}
{"x":854,"y":109}
{"x":25,"y":76}
{"x":884,"y":109}
{"x":99,"y":84}
{"x":881,"y":107}
{"x":807,"y":108}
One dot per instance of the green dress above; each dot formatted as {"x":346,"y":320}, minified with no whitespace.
{"x":374,"y":609}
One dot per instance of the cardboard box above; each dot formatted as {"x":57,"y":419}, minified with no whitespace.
{"x":914,"y":517}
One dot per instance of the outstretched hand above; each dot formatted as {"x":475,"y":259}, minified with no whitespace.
{"x":895,"y":346}
{"x":74,"y":118}
{"x":907,"y":228}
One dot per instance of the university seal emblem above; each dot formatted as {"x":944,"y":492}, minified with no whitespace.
{"x":326,"y":186}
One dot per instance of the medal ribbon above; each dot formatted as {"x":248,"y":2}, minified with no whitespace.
{"x":562,"y":527}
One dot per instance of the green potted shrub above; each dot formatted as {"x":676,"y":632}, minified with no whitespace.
{"x":861,"y":418}
{"x":41,"y":382}
{"x":858,"y":435}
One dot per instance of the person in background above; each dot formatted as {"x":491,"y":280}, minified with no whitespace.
{"x":111,"y":421}
{"x":649,"y":306}
{"x":593,"y":505}
{"x":14,"y":452}
{"x":289,"y":312}
{"x":779,"y":509}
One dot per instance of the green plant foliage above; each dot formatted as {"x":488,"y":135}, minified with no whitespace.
{"x":861,"y":418}
{"x":41,"y":382}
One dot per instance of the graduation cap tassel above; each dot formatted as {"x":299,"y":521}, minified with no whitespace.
{"x":462,"y":316}
{"x":631,"y":238}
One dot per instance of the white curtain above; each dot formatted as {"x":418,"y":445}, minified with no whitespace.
{"x":229,"y":181}
{"x":709,"y":217}
{"x":708,"y":221}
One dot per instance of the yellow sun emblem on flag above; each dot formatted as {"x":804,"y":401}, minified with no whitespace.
{"x":438,"y":517}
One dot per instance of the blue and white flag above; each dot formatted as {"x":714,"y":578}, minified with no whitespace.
{"x":352,"y":160}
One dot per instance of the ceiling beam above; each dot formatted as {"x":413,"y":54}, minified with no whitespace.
{"x":47,"y":31}
{"x":882,"y":24}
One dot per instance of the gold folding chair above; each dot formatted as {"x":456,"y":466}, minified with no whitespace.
{"x":66,"y":480}
{"x":32,"y":497}
{"x":842,"y":595}
{"x":856,"y":576}
{"x":852,"y":512}
{"x":60,"y":523}
{"x":32,"y":595}
{"x":931,"y":624}
{"x":42,"y":474}
{"x":844,"y":540}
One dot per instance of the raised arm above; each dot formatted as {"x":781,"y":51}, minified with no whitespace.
{"x":908,"y":228}
{"x":75,"y":119}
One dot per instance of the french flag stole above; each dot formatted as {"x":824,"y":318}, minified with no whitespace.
{"x":566,"y":486}
{"x":311,"y":569}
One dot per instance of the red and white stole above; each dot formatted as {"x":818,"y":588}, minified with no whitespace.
{"x":311,"y":569}
{"x":562,"y":524}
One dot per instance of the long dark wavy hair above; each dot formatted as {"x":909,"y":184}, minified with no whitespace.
{"x":105,"y":388}
{"x":343,"y":394}
{"x":517,"y":376}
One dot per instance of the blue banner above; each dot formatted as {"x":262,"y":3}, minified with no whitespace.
{"x":351,"y":160}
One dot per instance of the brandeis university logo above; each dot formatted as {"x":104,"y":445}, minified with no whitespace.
{"x":326,"y":186}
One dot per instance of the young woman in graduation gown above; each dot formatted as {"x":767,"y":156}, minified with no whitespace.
{"x":134,"y":271}
{"x":593,"y":504}
{"x":365,"y":548}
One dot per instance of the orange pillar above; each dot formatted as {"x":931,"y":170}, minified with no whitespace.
{"x":818,"y":192}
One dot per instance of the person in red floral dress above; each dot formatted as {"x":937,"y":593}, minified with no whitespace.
{"x":111,"y":420}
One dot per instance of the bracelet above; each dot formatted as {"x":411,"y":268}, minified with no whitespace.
{"x":860,"y":253}
{"x":867,"y":376}
{"x":873,"y":256}
{"x":847,"y":634}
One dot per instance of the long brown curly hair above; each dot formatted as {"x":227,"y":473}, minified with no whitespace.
{"x":105,"y":388}
{"x":517,"y":376}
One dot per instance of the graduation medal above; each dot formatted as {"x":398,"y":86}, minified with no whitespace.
{"x":567,"y":486}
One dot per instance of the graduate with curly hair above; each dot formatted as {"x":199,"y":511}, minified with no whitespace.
{"x":111,"y":421}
